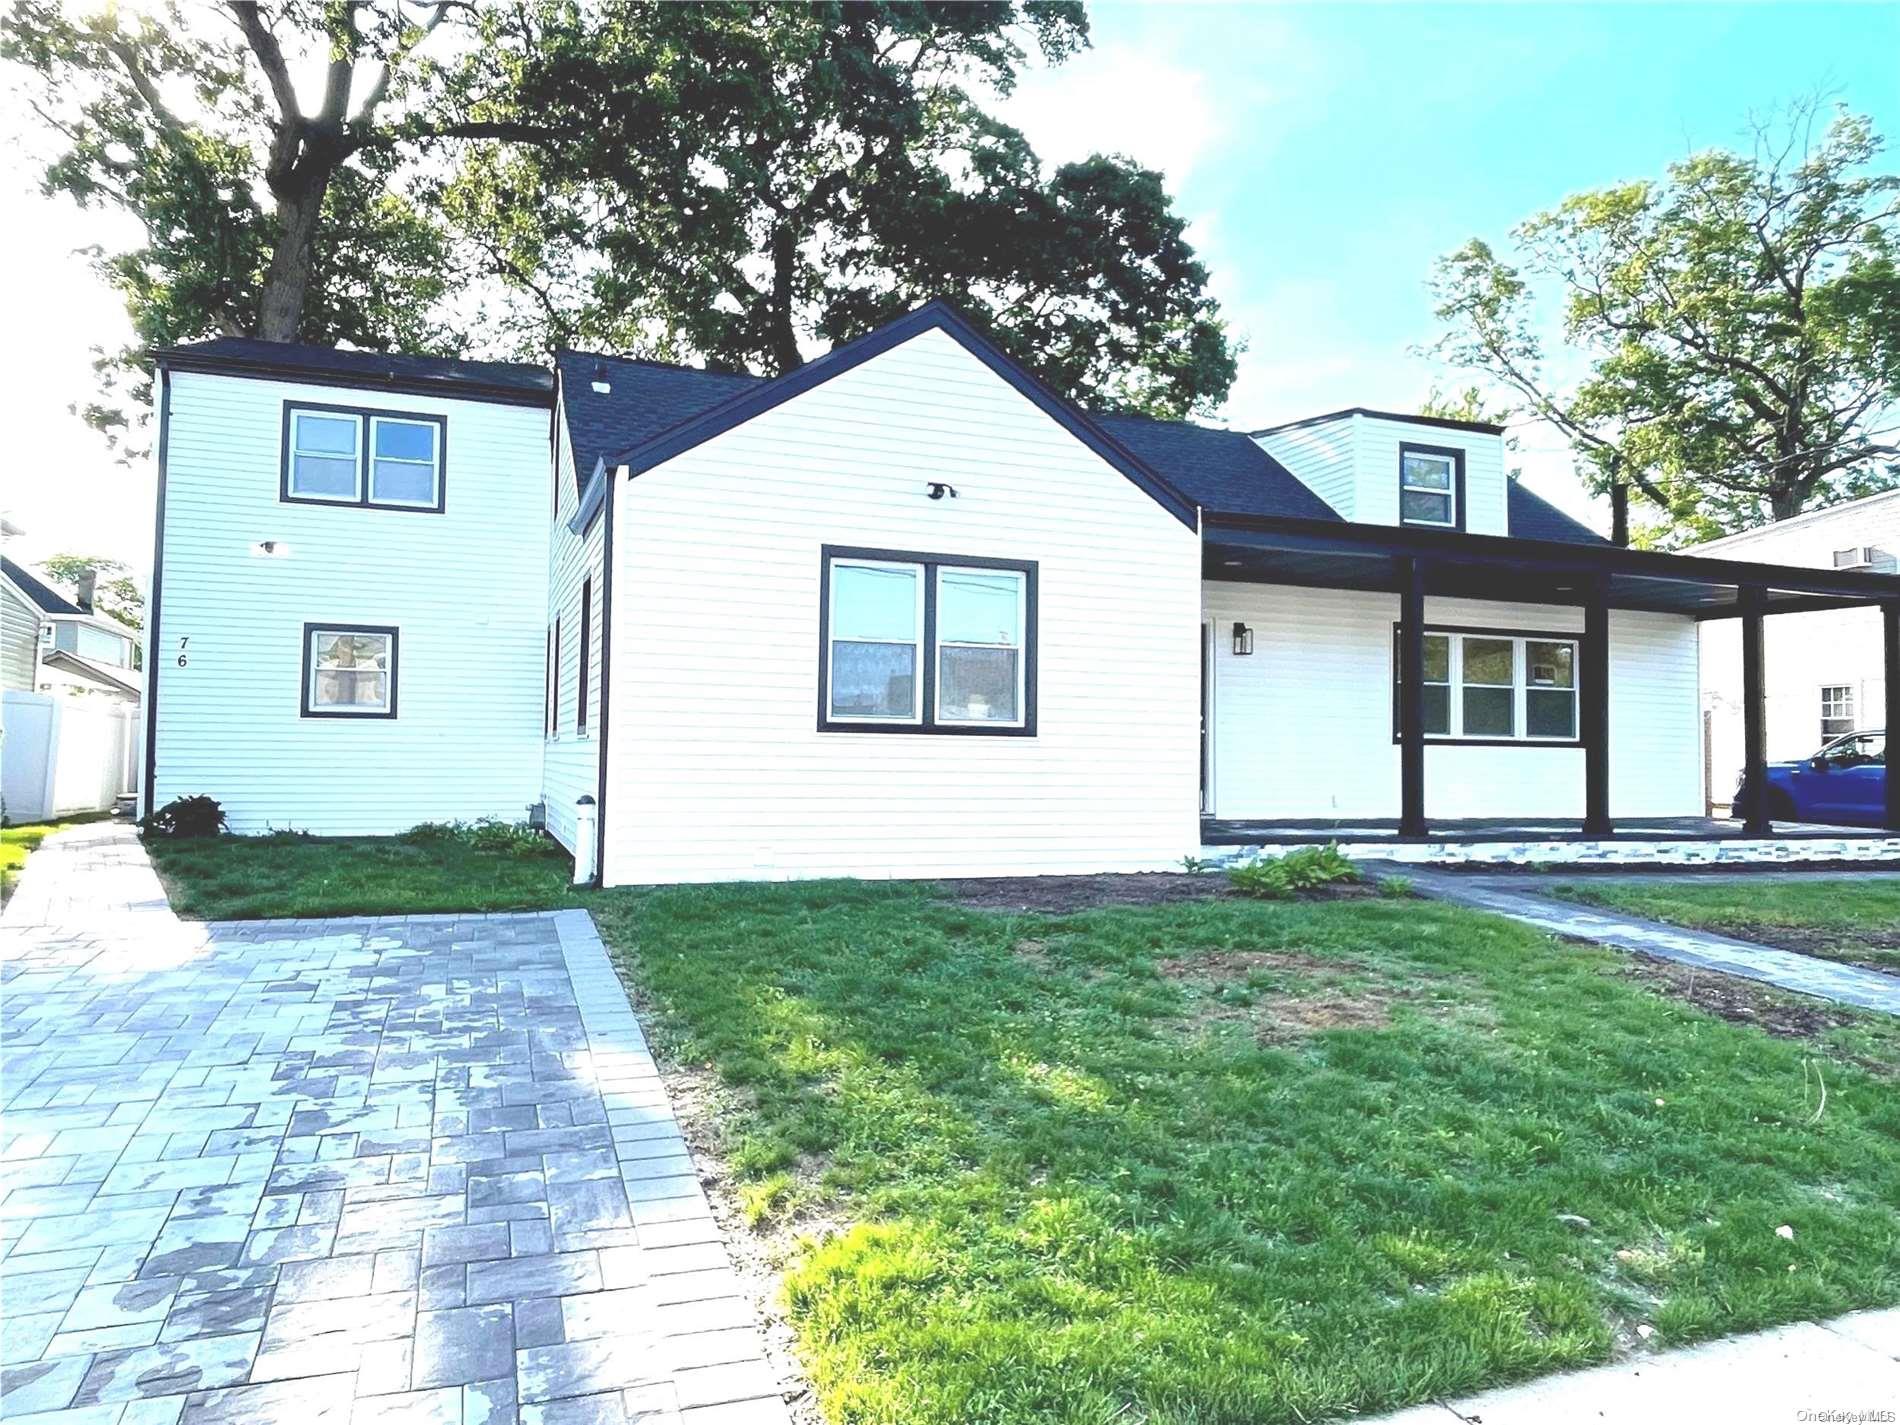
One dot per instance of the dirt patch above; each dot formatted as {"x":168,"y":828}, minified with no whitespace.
{"x":1741,"y":1001}
{"x":1062,"y":895}
{"x":1339,"y":993}
{"x":1850,"y":947}
{"x":1217,"y":966}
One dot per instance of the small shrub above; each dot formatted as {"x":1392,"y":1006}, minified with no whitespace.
{"x":1396,"y":888}
{"x":183,"y":818}
{"x":509,"y":838}
{"x":1194,"y":865}
{"x":1281,"y":877}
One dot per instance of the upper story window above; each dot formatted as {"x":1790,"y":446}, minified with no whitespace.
{"x":927,"y":643}
{"x":349,"y":670}
{"x":1431,"y":486}
{"x":344,"y":455}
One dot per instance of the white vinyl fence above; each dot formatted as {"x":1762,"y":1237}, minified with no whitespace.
{"x":60,"y":755}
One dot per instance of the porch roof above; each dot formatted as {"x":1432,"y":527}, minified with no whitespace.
{"x":1343,"y":555}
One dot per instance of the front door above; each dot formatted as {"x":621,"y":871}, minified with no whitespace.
{"x":1207,"y":719}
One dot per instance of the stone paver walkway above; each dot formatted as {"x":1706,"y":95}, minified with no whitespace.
{"x":1785,"y":969}
{"x":416,"y":1169}
{"x":1842,"y":1370}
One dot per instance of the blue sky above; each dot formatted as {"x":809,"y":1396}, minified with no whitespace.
{"x":1325,"y":155}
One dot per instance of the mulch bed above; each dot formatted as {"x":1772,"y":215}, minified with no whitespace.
{"x":1062,"y":895}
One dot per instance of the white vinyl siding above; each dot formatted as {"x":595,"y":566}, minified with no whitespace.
{"x":718,"y":769}
{"x":571,"y":761}
{"x":19,"y":640}
{"x":466,"y":588}
{"x":1352,"y":463}
{"x":1322,"y":457}
{"x":1281,"y":751}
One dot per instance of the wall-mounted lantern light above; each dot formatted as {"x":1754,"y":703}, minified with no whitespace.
{"x":938,"y":489}
{"x":1243,"y":640}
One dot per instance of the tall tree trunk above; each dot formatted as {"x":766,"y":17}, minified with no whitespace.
{"x":287,"y":280}
{"x":783,"y":335}
{"x":1619,"y":514}
{"x":1785,"y":501}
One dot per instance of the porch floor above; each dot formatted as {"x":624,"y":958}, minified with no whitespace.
{"x":1219,"y":831}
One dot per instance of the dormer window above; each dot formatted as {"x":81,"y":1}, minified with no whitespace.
{"x":1431,"y":486}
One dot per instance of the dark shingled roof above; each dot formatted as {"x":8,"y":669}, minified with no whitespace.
{"x":1220,"y":470}
{"x":30,"y":585}
{"x":1533,"y":517}
{"x":529,"y":382}
{"x":647,"y":397}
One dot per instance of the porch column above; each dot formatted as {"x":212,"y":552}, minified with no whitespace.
{"x":1595,"y":710}
{"x":1412,"y":697}
{"x":1754,"y":600}
{"x":1890,"y":641}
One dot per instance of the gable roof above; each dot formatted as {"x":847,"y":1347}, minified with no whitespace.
{"x":38,"y":592}
{"x":748,"y":403}
{"x":511,"y":381}
{"x":1531,"y":516}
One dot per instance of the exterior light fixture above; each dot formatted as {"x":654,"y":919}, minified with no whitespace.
{"x":938,"y":489}
{"x":1243,"y":640}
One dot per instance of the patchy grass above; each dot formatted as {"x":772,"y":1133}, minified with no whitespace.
{"x":19,"y":842}
{"x":267,"y":877}
{"x":1227,"y":1162}
{"x":1851,"y":918}
{"x":1216,"y":1161}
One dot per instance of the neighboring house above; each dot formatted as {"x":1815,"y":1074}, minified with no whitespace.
{"x":903,"y":612}
{"x":1826,"y":674}
{"x":52,"y":643}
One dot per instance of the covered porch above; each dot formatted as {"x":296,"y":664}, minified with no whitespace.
{"x":1587,"y":582}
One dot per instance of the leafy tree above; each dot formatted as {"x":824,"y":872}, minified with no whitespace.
{"x":724,"y":181}
{"x":114,"y":595}
{"x":1469,"y":404}
{"x":1740,"y":320}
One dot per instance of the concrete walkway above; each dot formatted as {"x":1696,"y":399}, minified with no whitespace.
{"x":1785,"y":969}
{"x":414,"y":1169}
{"x":1847,"y":1369}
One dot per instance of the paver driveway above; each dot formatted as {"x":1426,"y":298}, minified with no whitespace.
{"x":415,"y":1169}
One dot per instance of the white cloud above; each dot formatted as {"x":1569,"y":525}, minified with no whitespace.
{"x":1117,"y":99}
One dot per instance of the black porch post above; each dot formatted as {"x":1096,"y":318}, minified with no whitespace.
{"x":1412,"y":697}
{"x":1596,"y":710}
{"x":1890,"y":641}
{"x":1754,"y":600}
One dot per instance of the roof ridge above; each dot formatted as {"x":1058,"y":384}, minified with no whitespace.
{"x":655,"y":363}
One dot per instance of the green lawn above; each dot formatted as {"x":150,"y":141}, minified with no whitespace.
{"x":1216,"y":1162}
{"x":1842,"y":918}
{"x":19,"y":842}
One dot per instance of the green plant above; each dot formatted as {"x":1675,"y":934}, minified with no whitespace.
{"x":1280,"y":877}
{"x":1195,"y":865}
{"x":183,"y":818}
{"x":1396,"y":888}
{"x":515,"y":838}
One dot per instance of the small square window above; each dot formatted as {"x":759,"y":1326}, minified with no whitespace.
{"x":1837,"y":709}
{"x":349,"y":671}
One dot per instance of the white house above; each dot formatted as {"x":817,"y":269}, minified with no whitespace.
{"x":1826,"y":672}
{"x":904,"y":611}
{"x":52,"y":643}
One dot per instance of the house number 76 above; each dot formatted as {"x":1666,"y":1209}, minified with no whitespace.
{"x":182,"y":659}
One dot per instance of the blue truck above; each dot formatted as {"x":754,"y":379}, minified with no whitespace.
{"x":1844,"y":784}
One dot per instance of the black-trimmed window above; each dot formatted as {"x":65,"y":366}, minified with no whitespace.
{"x":926,"y":643}
{"x":1837,"y":709}
{"x":352,"y":455}
{"x":1431,"y":486}
{"x":585,"y":654}
{"x":1497,"y":687}
{"x":349,"y":670}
